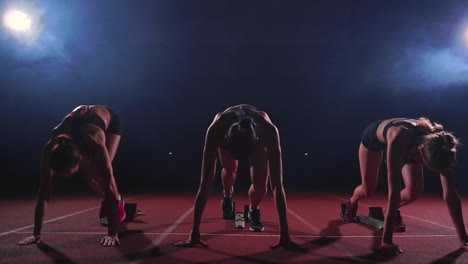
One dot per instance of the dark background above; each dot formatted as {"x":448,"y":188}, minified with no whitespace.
{"x":322,"y":70}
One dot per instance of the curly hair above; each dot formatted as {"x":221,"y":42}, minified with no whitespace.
{"x":427,"y":126}
{"x":439,"y":147}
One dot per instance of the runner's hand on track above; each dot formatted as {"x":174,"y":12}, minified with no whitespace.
{"x":464,"y":245}
{"x":189,"y":243}
{"x":390,"y":249}
{"x":286,"y":243}
{"x":30,"y":240}
{"x":110,"y":241}
{"x":193,"y":240}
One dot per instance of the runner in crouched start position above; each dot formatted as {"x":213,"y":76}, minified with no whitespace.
{"x":242,"y":132}
{"x":408,"y":144}
{"x":87,"y":140}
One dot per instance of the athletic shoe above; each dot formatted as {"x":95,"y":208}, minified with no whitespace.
{"x":122,"y":213}
{"x":228,"y":208}
{"x":350,"y":213}
{"x":256,"y":223}
{"x":120,"y":209}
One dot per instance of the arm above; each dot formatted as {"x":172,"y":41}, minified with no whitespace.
{"x":207,"y":177}
{"x":454,"y":205}
{"x":396,"y":151}
{"x":276,"y":178}
{"x":208,"y":171}
{"x":275,"y":163}
{"x":101,"y":167}
{"x":45,"y":191}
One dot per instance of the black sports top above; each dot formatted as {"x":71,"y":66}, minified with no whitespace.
{"x":401,"y":122}
{"x":74,"y":123}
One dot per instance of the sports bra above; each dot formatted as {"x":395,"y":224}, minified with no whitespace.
{"x":401,"y":122}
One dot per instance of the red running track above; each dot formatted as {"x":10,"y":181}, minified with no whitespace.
{"x":72,"y":233}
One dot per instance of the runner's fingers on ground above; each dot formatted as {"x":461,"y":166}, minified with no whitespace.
{"x":30,"y":240}
{"x":189,"y":243}
{"x":108,"y":241}
{"x":389,"y":249}
{"x":286,"y":243}
{"x":464,"y":245}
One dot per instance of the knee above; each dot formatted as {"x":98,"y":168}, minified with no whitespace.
{"x":367,"y":191}
{"x":414,"y":194}
{"x":262,"y":189}
{"x":230,"y":171}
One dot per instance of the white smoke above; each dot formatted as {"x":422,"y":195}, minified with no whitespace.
{"x":428,"y":67}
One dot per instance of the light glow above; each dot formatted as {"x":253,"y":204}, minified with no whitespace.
{"x":466,"y":37}
{"x":17,"y":20}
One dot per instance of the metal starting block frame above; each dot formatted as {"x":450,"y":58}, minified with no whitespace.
{"x":375,"y":218}
{"x":242,"y":217}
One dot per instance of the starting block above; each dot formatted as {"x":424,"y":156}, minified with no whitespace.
{"x":242,"y":217}
{"x":131,"y":212}
{"x":232,"y":214}
{"x":375,"y":218}
{"x":240,"y":220}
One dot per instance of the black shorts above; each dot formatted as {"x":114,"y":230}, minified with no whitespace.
{"x":369,"y":137}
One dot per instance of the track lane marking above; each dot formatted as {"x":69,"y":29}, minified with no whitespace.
{"x":54,"y":219}
{"x":337,"y":245}
{"x":233,"y":235}
{"x":155,"y":243}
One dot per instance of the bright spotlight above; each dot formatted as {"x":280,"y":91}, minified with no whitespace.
{"x":17,"y":20}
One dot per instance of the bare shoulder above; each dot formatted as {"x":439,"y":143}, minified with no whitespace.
{"x":78,"y":108}
{"x":393,"y":132}
{"x":223,"y":119}
{"x":270,"y":133}
{"x":399,"y":135}
{"x":218,"y":128}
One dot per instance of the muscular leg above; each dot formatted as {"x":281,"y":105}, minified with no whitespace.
{"x":259,"y":176}
{"x":229,"y":171}
{"x":369,"y":162}
{"x":414,"y":183}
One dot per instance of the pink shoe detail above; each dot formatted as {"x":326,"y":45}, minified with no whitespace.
{"x":351,"y":210}
{"x":121,"y":207}
{"x":120,"y":211}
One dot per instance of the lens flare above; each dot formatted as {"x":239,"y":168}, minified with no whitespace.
{"x":17,"y":20}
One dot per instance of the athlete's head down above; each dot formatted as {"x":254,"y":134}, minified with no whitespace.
{"x":64,"y":157}
{"x":241,"y":138}
{"x":438,"y":148}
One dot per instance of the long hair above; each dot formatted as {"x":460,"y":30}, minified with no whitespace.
{"x":63,"y":154}
{"x":427,"y":126}
{"x":241,"y":139}
{"x":439,"y":146}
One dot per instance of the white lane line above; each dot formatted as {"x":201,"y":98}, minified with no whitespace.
{"x":53,"y":220}
{"x":409,"y":216}
{"x":167,"y":232}
{"x":236,"y":235}
{"x":337,"y":245}
{"x":48,"y":221}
